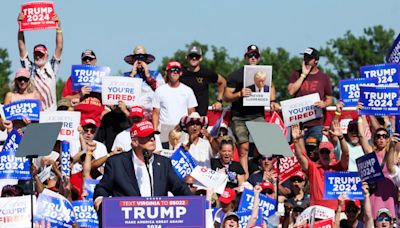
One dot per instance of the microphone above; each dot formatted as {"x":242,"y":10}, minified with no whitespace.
{"x":146,"y":156}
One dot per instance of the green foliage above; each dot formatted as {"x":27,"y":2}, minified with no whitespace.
{"x":348,"y":53}
{"x":5,"y":65}
{"x":59,"y":88}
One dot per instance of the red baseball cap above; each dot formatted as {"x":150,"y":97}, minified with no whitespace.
{"x":299,"y":174}
{"x":40,"y":48}
{"x":227,"y":196}
{"x":352,"y":202}
{"x":142,"y":129}
{"x":173,"y":64}
{"x":22,"y":72}
{"x":326,"y":145}
{"x":89,"y":121}
{"x":136,"y":111}
{"x":267,"y":185}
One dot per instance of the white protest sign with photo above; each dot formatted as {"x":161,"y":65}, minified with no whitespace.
{"x":119,"y":88}
{"x":258,"y":79}
{"x":320,"y":212}
{"x":210,"y":178}
{"x":300,"y":109}
{"x":70,"y":120}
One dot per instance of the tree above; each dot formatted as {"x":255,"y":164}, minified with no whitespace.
{"x":5,"y":65}
{"x":59,"y":88}
{"x":347,"y":54}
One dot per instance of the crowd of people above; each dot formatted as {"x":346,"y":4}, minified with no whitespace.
{"x":122,"y":146}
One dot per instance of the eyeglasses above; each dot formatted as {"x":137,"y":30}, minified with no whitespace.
{"x":324,"y":151}
{"x":87,"y":58}
{"x":91,"y":130}
{"x":378,"y":136}
{"x":194,"y":56}
{"x":251,"y":55}
{"x":174,"y":70}
{"x":384,"y":219}
{"x":22,"y":79}
{"x":296,"y":179}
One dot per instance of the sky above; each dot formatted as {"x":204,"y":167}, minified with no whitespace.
{"x":113,"y":28}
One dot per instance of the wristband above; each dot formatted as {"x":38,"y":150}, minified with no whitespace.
{"x":338,"y":113}
{"x":273,"y":101}
{"x":59,"y":30}
{"x":89,"y":153}
{"x":341,"y":138}
{"x":108,"y":155}
{"x":220,"y":100}
{"x":360,"y":120}
{"x":303,"y":76}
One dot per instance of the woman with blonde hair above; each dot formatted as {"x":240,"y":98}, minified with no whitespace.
{"x":22,"y":89}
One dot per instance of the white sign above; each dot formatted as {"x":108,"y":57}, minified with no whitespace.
{"x":16,"y":211}
{"x":300,"y":109}
{"x":258,"y":80}
{"x":210,"y":178}
{"x":320,"y":213}
{"x":71,"y":121}
{"x":118,"y":88}
{"x":344,"y":124}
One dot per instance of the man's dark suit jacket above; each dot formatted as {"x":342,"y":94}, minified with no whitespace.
{"x":253,"y":88}
{"x":119,"y":178}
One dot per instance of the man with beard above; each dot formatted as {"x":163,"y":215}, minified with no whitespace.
{"x":43,"y":72}
{"x":316,"y":170}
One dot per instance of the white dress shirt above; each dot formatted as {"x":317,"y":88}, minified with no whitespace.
{"x":142,"y":176}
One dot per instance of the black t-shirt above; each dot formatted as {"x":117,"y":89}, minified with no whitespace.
{"x":235,"y":80}
{"x":199,"y":82}
{"x":234,"y":169}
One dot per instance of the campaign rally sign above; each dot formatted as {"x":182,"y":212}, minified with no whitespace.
{"x":300,"y":109}
{"x":65,"y":158}
{"x":15,"y":211}
{"x":126,"y":89}
{"x":87,"y":75}
{"x":339,"y":182}
{"x":288,"y":167}
{"x":210,"y":178}
{"x":326,"y":223}
{"x":12,"y":141}
{"x":258,"y":79}
{"x":350,"y":89}
{"x":387,"y":74}
{"x":85,"y":213}
{"x":244,"y":217}
{"x":393,"y":55}
{"x":70,"y":123}
{"x":90,"y":184}
{"x":38,"y":15}
{"x":178,"y":211}
{"x":276,"y":119}
{"x":379,"y":101}
{"x":18,"y":110}
{"x":344,"y":124}
{"x":182,"y":162}
{"x":369,"y":168}
{"x":12,"y":167}
{"x":55,"y":209}
{"x":216,"y":128}
{"x":318,"y":212}
{"x":265,"y":203}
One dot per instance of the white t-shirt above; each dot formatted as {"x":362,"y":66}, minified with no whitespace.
{"x":123,"y":140}
{"x":354,"y":153}
{"x":75,"y":147}
{"x":201,"y":152}
{"x":173,"y":103}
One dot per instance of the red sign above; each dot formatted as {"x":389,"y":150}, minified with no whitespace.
{"x":326,"y":223}
{"x":276,"y":119}
{"x":38,"y":15}
{"x":288,"y":166}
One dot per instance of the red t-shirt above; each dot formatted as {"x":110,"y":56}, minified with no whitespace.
{"x":77,"y":181}
{"x":67,"y":90}
{"x":90,"y":108}
{"x":316,"y":176}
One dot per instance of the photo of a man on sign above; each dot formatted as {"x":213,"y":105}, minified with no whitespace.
{"x":258,"y":80}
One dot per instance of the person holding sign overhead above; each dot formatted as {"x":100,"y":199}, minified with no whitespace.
{"x":308,"y":80}
{"x":315,"y":170}
{"x":42,"y":71}
{"x":23,"y":88}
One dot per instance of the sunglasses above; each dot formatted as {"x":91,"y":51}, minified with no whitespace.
{"x":324,"y":151}
{"x":351,"y":210}
{"x":144,"y":140}
{"x":194,"y":123}
{"x":91,"y":130}
{"x":378,"y":136}
{"x":268,"y":191}
{"x":190,"y":185}
{"x":267,"y":158}
{"x":384,"y":219}
{"x":253,"y":55}
{"x":174,"y":70}
{"x":141,"y":57}
{"x":87,"y":58}
{"x":22,"y":79}
{"x":194,"y":56}
{"x":296,"y":179}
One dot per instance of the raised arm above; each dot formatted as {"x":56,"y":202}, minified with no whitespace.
{"x":337,"y":132}
{"x":59,"y":38}
{"x":298,"y":139}
{"x":21,"y":39}
{"x":361,"y":133}
{"x":254,"y":211}
{"x":294,"y":87}
{"x":392,"y":154}
{"x":368,"y":219}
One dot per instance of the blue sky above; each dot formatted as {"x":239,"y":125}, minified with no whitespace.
{"x":113,"y":28}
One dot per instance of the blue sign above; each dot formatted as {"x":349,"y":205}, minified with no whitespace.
{"x":57,"y":211}
{"x":12,"y":167}
{"x":350,"y":90}
{"x":178,"y":211}
{"x":182,"y":162}
{"x":369,"y":168}
{"x":379,"y":100}
{"x":265,"y":203}
{"x":85,"y":213}
{"x":338,"y":182}
{"x":65,"y":158}
{"x":90,"y":184}
{"x":397,"y":124}
{"x":387,"y":74}
{"x":393,"y":55}
{"x":12,"y":141}
{"x":29,"y":109}
{"x":244,"y":217}
{"x":87,"y":75}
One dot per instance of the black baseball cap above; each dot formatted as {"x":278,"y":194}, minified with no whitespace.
{"x":311,"y":53}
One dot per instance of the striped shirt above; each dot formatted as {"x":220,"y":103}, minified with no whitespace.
{"x":45,"y":81}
